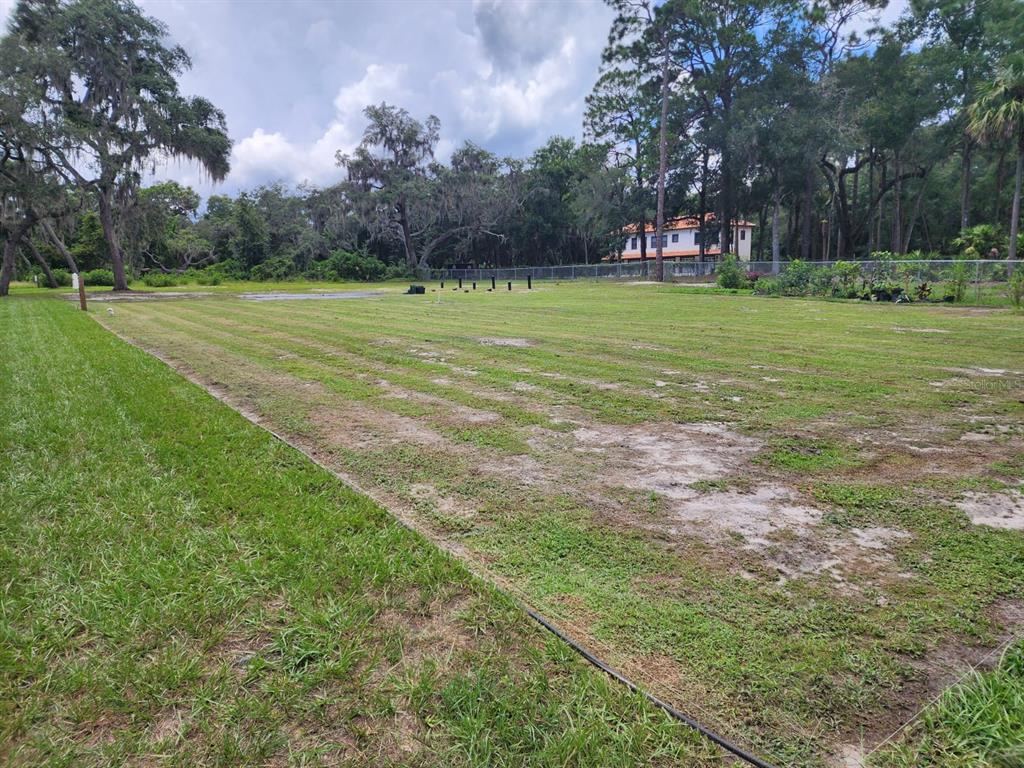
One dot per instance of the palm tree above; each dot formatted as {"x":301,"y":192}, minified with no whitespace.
{"x":999,"y":113}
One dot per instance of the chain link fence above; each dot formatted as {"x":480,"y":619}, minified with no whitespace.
{"x":931,"y":270}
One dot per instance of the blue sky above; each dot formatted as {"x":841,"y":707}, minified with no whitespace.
{"x":293,"y":77}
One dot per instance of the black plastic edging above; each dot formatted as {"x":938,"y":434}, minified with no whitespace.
{"x":682,"y":717}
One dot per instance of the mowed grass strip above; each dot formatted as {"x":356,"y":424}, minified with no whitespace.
{"x":179,"y":588}
{"x":796,"y":667}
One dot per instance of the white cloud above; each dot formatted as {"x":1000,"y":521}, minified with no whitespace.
{"x":505,"y":74}
{"x":6,"y":6}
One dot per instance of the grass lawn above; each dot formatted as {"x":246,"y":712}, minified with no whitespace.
{"x":773,"y":513}
{"x":179,"y":588}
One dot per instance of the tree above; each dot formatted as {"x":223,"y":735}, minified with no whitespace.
{"x":723,"y":45}
{"x":391,"y":160}
{"x":250,"y":244}
{"x":998,"y":112}
{"x":105,"y":83}
{"x":620,"y":110}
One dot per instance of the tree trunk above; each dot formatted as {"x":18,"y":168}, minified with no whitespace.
{"x":1015,"y":216}
{"x":411,"y":262}
{"x":897,"y":207}
{"x":659,"y":265}
{"x":643,"y":208}
{"x":855,"y":199}
{"x":965,"y":184}
{"x":703,"y":212}
{"x":878,"y":209}
{"x":50,"y":279}
{"x":110,"y":235}
{"x":776,"y":252}
{"x":58,"y":243}
{"x":913,"y":216}
{"x":1000,"y":181}
{"x":807,"y":224}
{"x":762,"y":217}
{"x":14,"y":237}
{"x":871,"y":194}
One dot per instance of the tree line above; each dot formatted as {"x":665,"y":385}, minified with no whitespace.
{"x":838,"y":143}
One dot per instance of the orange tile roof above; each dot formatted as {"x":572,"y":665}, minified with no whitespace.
{"x":666,"y":254}
{"x":681,"y":222}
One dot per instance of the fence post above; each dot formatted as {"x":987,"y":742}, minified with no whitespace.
{"x":977,"y":281}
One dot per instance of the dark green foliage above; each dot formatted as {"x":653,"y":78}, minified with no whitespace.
{"x":729,"y":273}
{"x":62,"y":276}
{"x":88,"y":247}
{"x":161,"y":279}
{"x":277,"y":268}
{"x":102,"y":277}
{"x":356,"y":266}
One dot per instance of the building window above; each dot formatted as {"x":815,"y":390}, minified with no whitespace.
{"x":675,"y":237}
{"x":654,"y":241}
{"x":696,"y":237}
{"x":664,"y":240}
{"x":743,"y":234}
{"x":632,"y":245}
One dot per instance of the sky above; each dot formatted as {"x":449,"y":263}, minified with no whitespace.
{"x":294,"y":76}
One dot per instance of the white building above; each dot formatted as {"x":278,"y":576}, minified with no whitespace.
{"x":681,"y":240}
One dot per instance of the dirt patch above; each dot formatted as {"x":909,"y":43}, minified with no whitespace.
{"x":1002,"y":509}
{"x":168,"y":726}
{"x":758,"y":515}
{"x":435,"y":633}
{"x":979,"y":371}
{"x":498,"y":341}
{"x":129,"y":296}
{"x":666,"y":458}
{"x":900,"y":329}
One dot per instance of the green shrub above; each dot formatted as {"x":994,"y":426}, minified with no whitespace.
{"x":357,"y":266}
{"x":229,"y":269}
{"x":978,"y":241}
{"x":1015,"y":288}
{"x":768,"y":286}
{"x":398,"y":272}
{"x":161,"y":279}
{"x":98,"y":277}
{"x":729,"y":273}
{"x":278,"y":268}
{"x":957,"y":276}
{"x":801,"y":279}
{"x":321,"y":270}
{"x":886,"y":290}
{"x":208,"y":277}
{"x":62,"y":276}
{"x":844,"y":275}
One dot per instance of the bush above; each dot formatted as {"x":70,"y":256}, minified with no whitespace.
{"x":229,"y":269}
{"x":398,"y":272}
{"x":977,"y":242}
{"x":208,"y":277}
{"x":161,"y":279}
{"x":62,"y":276}
{"x":357,"y":266}
{"x":844,"y":279}
{"x":801,"y":278}
{"x":886,"y":290}
{"x":768,"y":286}
{"x":958,"y":277}
{"x":753,"y":277}
{"x":98,"y":277}
{"x":1015,"y":288}
{"x":729,"y":274}
{"x":278,"y":268}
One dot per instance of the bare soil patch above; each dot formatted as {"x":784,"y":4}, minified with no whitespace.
{"x":499,"y":341}
{"x":999,"y":509}
{"x":666,"y":458}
